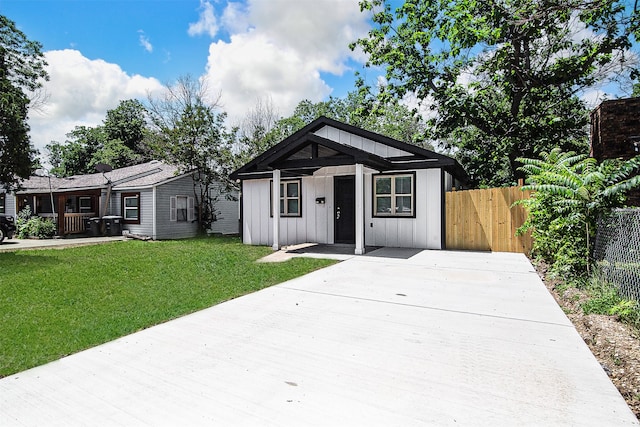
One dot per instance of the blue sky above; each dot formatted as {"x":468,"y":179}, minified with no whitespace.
{"x":103,"y":51}
{"x":280,"y":51}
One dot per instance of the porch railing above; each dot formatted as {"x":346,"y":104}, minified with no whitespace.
{"x":74,"y":222}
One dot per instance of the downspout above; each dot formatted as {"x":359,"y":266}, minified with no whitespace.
{"x":241,"y":213}
{"x":153,"y":202}
{"x":443,"y":210}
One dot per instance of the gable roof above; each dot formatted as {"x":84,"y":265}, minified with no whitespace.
{"x":143,"y":175}
{"x":306,"y":151}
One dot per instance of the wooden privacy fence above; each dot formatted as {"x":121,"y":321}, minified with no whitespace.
{"x":484,"y":220}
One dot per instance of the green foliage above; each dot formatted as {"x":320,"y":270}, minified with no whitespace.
{"x":28,"y":226}
{"x":570,"y":193}
{"x":604,"y":298}
{"x":501,"y":78}
{"x":188,"y":131}
{"x":262,"y":129}
{"x":120,"y":141}
{"x":58,"y":302}
{"x":22,"y":70}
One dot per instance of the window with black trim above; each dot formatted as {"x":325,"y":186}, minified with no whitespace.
{"x":3,"y":199}
{"x":290,"y":198}
{"x":131,"y":208}
{"x":394,"y":195}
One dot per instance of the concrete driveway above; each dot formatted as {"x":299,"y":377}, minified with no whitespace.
{"x":392,"y":339}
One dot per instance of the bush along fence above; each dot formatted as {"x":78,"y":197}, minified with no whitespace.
{"x":617,"y":251}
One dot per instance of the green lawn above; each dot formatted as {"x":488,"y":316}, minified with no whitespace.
{"x":57,"y":302}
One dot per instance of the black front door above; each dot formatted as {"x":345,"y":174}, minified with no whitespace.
{"x":344,"y":193}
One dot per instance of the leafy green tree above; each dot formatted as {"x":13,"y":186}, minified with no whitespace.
{"x":76,"y":155}
{"x":22,"y":70}
{"x":570,"y":193}
{"x":127,"y":123}
{"x":502,"y":77}
{"x":189,"y":132}
{"x":120,"y":141}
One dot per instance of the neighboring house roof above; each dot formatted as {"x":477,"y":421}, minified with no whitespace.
{"x":304,"y":152}
{"x":143,"y":175}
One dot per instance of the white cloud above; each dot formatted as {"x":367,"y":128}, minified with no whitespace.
{"x":144,"y":42}
{"x":252,"y":67}
{"x":207,"y":23}
{"x":279,"y":49}
{"x":80,"y":91}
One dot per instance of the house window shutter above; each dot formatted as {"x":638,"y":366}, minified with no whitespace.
{"x":173,"y":206}
{"x":190,"y":209}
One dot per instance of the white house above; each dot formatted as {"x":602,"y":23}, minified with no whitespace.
{"x":153,"y":199}
{"x":336,"y":183}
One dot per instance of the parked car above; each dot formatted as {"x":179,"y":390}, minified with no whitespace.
{"x":7,"y":227}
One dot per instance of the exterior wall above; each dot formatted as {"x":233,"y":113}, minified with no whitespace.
{"x":158,"y":210}
{"x":615,"y":128}
{"x":356,"y":141}
{"x":423,"y":231}
{"x":228,"y":215}
{"x":145,"y":227}
{"x":615,"y":133}
{"x":10,"y":203}
{"x":316,"y":224}
{"x":165,"y":228}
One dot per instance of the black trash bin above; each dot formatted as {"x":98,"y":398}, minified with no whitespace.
{"x":112,"y":225}
{"x":92,"y":226}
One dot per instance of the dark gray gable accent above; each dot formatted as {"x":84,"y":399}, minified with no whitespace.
{"x":347,"y":155}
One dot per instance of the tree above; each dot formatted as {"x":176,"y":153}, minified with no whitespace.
{"x":571,"y":193}
{"x":127,"y":123}
{"x":261,"y":129}
{"x":120,"y":141}
{"x":22,"y":70}
{"x":76,"y":155}
{"x":502,"y":78}
{"x":189,"y":132}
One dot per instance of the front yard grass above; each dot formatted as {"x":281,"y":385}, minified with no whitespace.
{"x":56,"y":302}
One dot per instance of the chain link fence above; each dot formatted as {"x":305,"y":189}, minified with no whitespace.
{"x":617,"y":251}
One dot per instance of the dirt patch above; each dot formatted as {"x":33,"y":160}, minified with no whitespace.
{"x":615,"y":344}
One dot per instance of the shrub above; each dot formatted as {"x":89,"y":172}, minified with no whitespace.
{"x":570,"y":192}
{"x":28,"y":225}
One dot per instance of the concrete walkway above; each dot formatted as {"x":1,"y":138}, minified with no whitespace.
{"x":20,"y":244}
{"x":437,"y":338}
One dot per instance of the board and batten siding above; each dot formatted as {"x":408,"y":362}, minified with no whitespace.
{"x":316,"y":225}
{"x":359,"y":142}
{"x":424,"y":231}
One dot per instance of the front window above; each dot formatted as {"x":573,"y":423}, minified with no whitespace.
{"x":393,"y":195}
{"x":85,"y":204}
{"x":182,"y":209}
{"x":290,"y":198}
{"x":131,"y":208}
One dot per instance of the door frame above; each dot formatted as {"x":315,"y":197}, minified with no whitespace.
{"x":338,"y":179}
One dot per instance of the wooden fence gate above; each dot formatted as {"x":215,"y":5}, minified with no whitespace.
{"x":484,"y":220}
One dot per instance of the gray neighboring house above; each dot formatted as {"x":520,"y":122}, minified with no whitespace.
{"x":152,"y":198}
